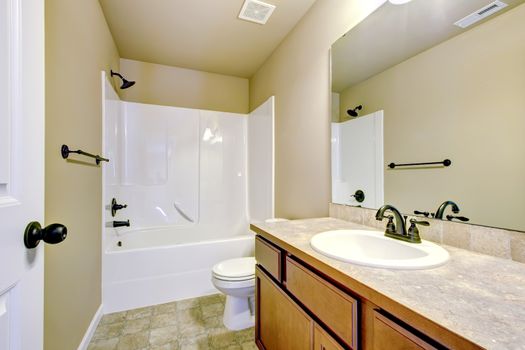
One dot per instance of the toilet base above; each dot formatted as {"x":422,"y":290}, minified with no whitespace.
{"x":239,"y":313}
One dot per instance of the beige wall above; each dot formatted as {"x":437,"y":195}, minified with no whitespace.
{"x":78,"y":47}
{"x":464,"y":100}
{"x":298,"y":74}
{"x":174,"y":86}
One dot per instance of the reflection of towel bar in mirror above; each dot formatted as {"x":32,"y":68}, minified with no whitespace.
{"x":446,"y":162}
{"x":65,"y":151}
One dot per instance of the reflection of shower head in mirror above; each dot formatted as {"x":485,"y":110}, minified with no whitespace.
{"x":354,"y":112}
{"x":125,"y":83}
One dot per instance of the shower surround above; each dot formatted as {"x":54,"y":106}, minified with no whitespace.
{"x":183,"y":175}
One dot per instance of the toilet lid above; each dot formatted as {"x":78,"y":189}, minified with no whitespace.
{"x":235,"y":268}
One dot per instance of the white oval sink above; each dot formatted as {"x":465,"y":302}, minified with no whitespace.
{"x":372,"y":248}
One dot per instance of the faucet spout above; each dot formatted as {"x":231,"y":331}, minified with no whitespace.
{"x":400,"y":225}
{"x":441,"y":210}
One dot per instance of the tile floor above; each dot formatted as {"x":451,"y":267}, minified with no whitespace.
{"x":181,"y":325}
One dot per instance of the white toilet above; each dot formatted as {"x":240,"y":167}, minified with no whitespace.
{"x":236,"y":279}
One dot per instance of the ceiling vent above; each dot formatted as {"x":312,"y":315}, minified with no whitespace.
{"x":256,"y":11}
{"x":481,"y":14}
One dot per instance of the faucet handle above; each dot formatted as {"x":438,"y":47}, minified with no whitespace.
{"x":115,"y":206}
{"x":413,"y":231}
{"x":461,"y":218}
{"x":390,"y":226}
{"x":414,"y":222}
{"x":424,"y":213}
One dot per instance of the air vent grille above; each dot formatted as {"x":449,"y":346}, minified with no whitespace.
{"x":481,"y":14}
{"x":490,"y":8}
{"x":256,"y":11}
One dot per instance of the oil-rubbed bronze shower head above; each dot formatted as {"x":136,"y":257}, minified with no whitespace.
{"x":354,"y":112}
{"x":125,"y":83}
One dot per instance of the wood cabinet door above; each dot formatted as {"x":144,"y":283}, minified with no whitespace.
{"x":336,"y":309}
{"x":280,"y":323}
{"x":323,"y":341}
{"x":390,"y":335}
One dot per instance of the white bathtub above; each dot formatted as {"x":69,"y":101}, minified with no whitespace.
{"x":156,"y":266}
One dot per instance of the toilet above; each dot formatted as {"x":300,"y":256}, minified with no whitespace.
{"x":236,"y":279}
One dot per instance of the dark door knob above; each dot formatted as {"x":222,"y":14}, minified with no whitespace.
{"x":52,"y":234}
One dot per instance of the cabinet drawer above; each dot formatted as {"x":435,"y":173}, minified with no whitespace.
{"x":323,"y":341}
{"x":392,"y":336}
{"x":336,"y":309}
{"x":268,"y":257}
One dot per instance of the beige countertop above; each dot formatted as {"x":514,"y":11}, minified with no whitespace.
{"x":479,"y":297}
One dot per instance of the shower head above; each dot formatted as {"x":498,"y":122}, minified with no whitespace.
{"x":354,"y":112}
{"x":125,"y":83}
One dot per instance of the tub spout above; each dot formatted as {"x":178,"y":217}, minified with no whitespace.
{"x":121,"y":223}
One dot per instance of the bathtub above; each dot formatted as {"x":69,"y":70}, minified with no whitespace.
{"x":154,"y":266}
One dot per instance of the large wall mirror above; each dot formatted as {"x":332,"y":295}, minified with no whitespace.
{"x":411,"y":86}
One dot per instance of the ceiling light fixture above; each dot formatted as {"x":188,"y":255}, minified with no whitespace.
{"x":399,"y":2}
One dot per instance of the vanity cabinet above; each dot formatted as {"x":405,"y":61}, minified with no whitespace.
{"x":280,"y":323}
{"x":323,"y":341}
{"x":390,"y":335}
{"x":270,"y":257}
{"x":336,"y":309}
{"x":299,"y":308}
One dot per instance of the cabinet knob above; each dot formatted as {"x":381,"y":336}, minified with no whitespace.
{"x":51,"y":234}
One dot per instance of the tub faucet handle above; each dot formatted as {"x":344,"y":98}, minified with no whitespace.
{"x":115,"y":206}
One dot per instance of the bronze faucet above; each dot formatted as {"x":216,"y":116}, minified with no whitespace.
{"x":398,"y":229}
{"x":443,"y":206}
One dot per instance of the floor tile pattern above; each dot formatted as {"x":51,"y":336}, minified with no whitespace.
{"x":180,"y":325}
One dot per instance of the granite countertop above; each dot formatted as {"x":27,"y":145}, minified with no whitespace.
{"x":480,"y":297}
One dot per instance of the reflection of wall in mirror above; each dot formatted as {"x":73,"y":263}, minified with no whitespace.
{"x":464,"y":100}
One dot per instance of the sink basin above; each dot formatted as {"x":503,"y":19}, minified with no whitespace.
{"x":372,"y":248}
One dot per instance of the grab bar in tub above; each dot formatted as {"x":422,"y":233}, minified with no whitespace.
{"x":182,"y":213}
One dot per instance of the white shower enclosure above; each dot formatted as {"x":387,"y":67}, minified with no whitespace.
{"x":357,"y":160}
{"x":192,"y":180}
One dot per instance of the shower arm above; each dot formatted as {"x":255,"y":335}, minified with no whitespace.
{"x":117,"y":74}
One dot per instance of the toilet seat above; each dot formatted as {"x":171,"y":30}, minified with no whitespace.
{"x":228,"y":284}
{"x":230,"y":279}
{"x":240,"y":269}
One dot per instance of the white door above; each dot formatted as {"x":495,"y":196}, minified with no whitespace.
{"x":357,"y":161}
{"x":21,"y":171}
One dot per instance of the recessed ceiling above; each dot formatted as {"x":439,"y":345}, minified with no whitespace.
{"x":394,"y":33}
{"x":204,"y":35}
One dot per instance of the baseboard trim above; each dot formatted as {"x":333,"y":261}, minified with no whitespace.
{"x":91,"y":329}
